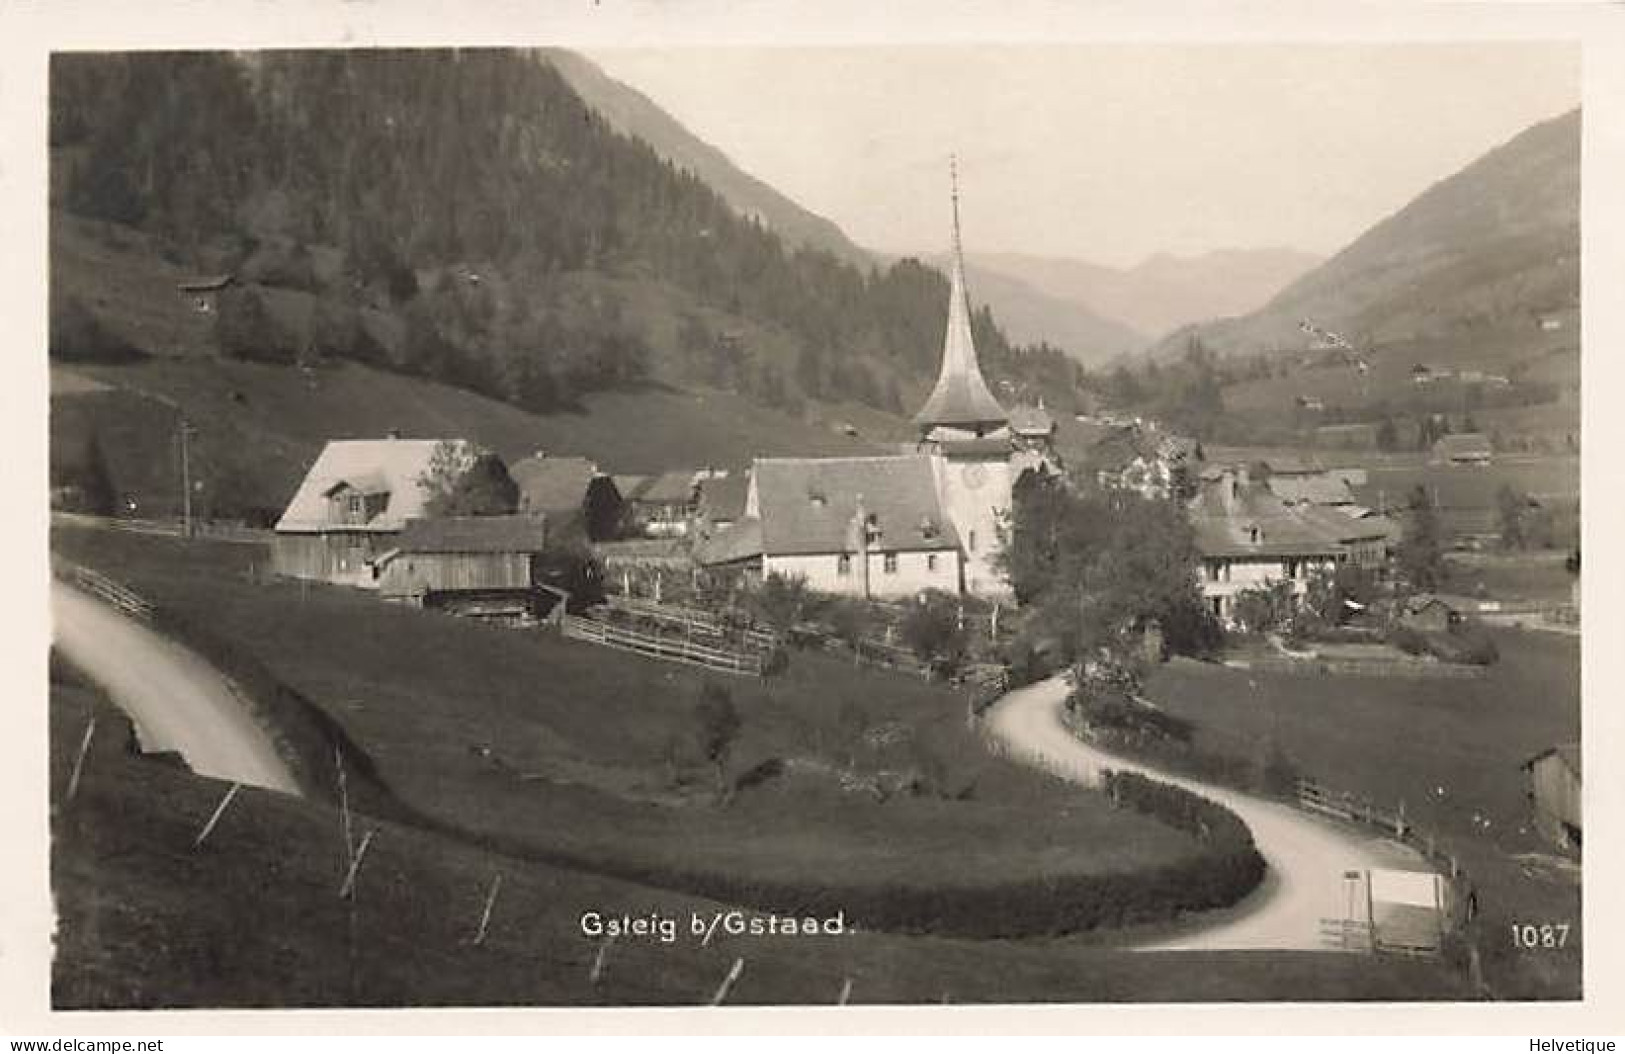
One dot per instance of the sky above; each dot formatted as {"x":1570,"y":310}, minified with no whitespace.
{"x":1107,"y":152}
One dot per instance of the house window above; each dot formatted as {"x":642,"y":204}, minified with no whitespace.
{"x":930,"y":561}
{"x":890,"y":564}
{"x":843,"y":564}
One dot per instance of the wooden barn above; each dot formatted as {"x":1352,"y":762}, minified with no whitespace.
{"x":351,"y":508}
{"x":1553,"y":779}
{"x":484,"y":565}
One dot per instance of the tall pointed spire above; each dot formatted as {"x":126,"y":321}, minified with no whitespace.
{"x":961,"y":398}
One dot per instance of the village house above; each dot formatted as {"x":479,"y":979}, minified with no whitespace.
{"x":721,"y":501}
{"x":483,"y":565}
{"x":1321,"y":488}
{"x":1150,"y":463}
{"x":1249,"y":539}
{"x":202,"y":295}
{"x":571,"y":492}
{"x":861,"y":526}
{"x":352,"y":506}
{"x":1032,"y":428}
{"x":1554,"y":792}
{"x":1464,"y":448}
{"x":662,"y":506}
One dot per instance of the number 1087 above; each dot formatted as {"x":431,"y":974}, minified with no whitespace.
{"x":1550,"y":935}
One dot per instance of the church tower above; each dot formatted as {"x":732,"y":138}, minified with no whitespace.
{"x":967,"y":432}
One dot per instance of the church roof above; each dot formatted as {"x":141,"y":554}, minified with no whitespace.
{"x":961,"y":397}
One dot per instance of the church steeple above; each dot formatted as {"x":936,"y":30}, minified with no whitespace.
{"x":961,"y":398}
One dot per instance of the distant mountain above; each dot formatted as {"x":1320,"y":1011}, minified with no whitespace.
{"x":1163,"y":292}
{"x":1028,"y":315}
{"x":632,"y":113}
{"x":1469,"y":269}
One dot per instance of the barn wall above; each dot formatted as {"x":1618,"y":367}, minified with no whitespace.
{"x":1556,"y":793}
{"x":412,"y":573}
{"x":337,"y":556}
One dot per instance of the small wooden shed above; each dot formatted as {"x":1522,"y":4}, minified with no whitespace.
{"x":1553,"y":780}
{"x":485,"y":564}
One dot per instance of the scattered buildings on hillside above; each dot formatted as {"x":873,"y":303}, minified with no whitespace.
{"x":351,"y":507}
{"x":1553,"y":781}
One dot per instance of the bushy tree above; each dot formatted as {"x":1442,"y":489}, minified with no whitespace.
{"x":1421,"y":547}
{"x":781,"y":600}
{"x":1512,"y":512}
{"x":930,"y":627}
{"x":716,"y":728}
{"x":461,"y":481}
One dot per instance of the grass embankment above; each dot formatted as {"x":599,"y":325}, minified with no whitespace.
{"x":1449,"y":749}
{"x":565,"y":752}
{"x":253,"y":919}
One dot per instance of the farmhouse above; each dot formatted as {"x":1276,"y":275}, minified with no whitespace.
{"x":1032,"y":428}
{"x":1140,"y":459}
{"x":721,"y":500}
{"x":863,"y":526}
{"x":1322,"y":488}
{"x":1553,"y":778}
{"x":478,"y":564}
{"x":352,"y":506}
{"x":1249,"y":539}
{"x":1464,"y":448}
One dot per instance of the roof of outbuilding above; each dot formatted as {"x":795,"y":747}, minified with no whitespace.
{"x":741,"y":540}
{"x":669,"y":488}
{"x":1320,"y":489}
{"x":1569,"y":752}
{"x":475,"y":534}
{"x":552,"y":484}
{"x":723,"y":497}
{"x":1031,"y":420}
{"x":809,"y":505}
{"x":392,"y":466}
{"x":1463,"y":443}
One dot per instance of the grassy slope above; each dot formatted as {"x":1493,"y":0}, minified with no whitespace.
{"x":1401,"y":739}
{"x":422,"y":692}
{"x":284,"y":417}
{"x":252,"y":920}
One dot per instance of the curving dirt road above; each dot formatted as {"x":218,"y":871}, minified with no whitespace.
{"x":1306,"y":856}
{"x":176,"y":700}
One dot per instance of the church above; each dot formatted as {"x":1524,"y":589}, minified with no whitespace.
{"x":889,"y":526}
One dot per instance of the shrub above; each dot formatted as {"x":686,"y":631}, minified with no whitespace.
{"x":1408,"y":640}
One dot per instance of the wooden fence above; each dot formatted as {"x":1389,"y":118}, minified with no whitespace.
{"x":226,"y":532}
{"x":669,"y":647}
{"x":99,"y":585}
{"x":694,"y":622}
{"x":1364,"y":668}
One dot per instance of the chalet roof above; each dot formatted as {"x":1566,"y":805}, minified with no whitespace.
{"x":668,"y":488}
{"x":1320,"y":489}
{"x":389,"y":466}
{"x":630,"y":485}
{"x":1339,"y":525}
{"x":723,"y":497}
{"x":475,"y":534}
{"x":810,"y":505}
{"x":741,"y":540}
{"x":205,"y":283}
{"x":1422,"y":601}
{"x":1463,"y":444}
{"x":1031,"y":421}
{"x":1224,"y":525}
{"x":1294,"y":466}
{"x":369,"y":483}
{"x":552,"y":484}
{"x":1568,"y":752}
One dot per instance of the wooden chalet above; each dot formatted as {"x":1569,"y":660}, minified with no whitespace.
{"x":351,"y":508}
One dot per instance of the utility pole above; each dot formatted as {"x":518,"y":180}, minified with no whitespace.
{"x":186,"y":480}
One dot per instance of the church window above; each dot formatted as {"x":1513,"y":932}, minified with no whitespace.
{"x":930,"y":561}
{"x":843,"y":564}
{"x":890,"y":564}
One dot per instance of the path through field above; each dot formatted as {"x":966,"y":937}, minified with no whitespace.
{"x":176,"y":700}
{"x":1306,"y":856}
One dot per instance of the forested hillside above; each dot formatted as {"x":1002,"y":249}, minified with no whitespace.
{"x":462,"y":215}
